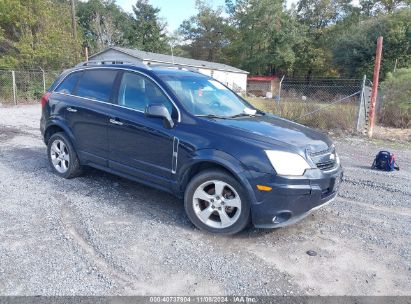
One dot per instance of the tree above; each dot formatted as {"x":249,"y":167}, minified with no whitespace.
{"x":104,"y":24}
{"x":207,"y":33}
{"x":319,"y":14}
{"x":264,"y":37}
{"x":148,"y":31}
{"x":314,"y":56}
{"x":36,"y":34}
{"x":354,"y":52}
{"x":390,"y":6}
{"x":177,"y":44}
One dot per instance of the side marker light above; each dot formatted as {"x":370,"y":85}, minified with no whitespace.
{"x":264,"y":188}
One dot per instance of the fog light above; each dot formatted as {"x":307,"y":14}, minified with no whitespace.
{"x":282,"y":217}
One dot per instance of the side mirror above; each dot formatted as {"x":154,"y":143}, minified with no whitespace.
{"x":160,"y":111}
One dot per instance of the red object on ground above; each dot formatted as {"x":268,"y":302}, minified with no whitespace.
{"x":262,"y":78}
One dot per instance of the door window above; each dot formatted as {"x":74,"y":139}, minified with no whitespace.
{"x":137,"y":91}
{"x":69,"y":83}
{"x":97,"y":84}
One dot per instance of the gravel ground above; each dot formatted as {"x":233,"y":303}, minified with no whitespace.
{"x":103,"y":235}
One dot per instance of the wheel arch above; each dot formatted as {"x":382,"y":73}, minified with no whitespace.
{"x":55,"y":127}
{"x":214,"y":159}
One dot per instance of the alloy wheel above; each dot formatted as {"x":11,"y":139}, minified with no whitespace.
{"x":60,"y":157}
{"x":217,"y":204}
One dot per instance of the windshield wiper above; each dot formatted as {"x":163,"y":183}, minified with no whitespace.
{"x":212,"y":116}
{"x":245,"y":114}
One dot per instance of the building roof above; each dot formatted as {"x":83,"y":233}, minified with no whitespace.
{"x":168,"y":59}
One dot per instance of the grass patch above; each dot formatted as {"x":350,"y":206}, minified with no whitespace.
{"x":338,"y":116}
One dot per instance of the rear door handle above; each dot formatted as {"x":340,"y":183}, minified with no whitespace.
{"x":115,"y":122}
{"x":71,"y":110}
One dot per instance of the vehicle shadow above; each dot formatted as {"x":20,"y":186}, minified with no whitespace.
{"x":131,"y":196}
{"x":135,"y":197}
{"x":159,"y":204}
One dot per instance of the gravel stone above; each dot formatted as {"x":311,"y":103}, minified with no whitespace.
{"x":100,"y":234}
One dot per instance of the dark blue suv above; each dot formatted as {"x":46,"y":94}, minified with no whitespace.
{"x":187,"y":134}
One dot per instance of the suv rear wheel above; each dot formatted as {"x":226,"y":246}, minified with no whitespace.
{"x":215,"y":202}
{"x":62,"y":156}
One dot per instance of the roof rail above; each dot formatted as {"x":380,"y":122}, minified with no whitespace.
{"x":174,"y":66}
{"x":112,"y":61}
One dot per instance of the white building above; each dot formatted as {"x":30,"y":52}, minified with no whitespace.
{"x":232,"y":77}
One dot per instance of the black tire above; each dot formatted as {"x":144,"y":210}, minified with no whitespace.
{"x":216,"y":175}
{"x":74,"y":168}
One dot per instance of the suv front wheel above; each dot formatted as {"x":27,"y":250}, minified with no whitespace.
{"x":62,"y":156}
{"x":216,"y":202}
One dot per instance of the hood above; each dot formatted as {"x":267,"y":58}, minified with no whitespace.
{"x":272,"y":130}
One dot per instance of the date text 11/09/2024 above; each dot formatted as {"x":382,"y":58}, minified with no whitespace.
{"x":204,"y":299}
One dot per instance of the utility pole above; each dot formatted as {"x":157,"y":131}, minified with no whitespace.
{"x":74,"y":25}
{"x":172,"y":52}
{"x":374,"y":91}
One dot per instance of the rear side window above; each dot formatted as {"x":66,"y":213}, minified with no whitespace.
{"x":96,"y":84}
{"x":69,"y":83}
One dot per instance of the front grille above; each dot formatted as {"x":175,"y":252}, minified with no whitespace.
{"x":323,"y":152}
{"x":325,"y":160}
{"x":326,"y":165}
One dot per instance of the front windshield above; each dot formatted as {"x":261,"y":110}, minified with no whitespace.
{"x":203,"y":96}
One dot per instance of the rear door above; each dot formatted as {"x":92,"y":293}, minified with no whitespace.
{"x":139,"y":145}
{"x":88,"y":114}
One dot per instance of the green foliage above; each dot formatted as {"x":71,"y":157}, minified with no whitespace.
{"x":319,"y":14}
{"x":104,"y":24}
{"x":354,"y":49}
{"x":36,"y":34}
{"x":389,"y":6}
{"x":264,"y":36}
{"x":314,"y":54}
{"x":148,"y":30}
{"x":313,"y":38}
{"x":396,"y":91}
{"x":207,"y":32}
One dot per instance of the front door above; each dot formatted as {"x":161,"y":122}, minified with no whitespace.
{"x":138,"y":145}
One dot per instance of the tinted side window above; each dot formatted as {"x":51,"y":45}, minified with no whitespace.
{"x":69,"y":83}
{"x":137,"y":91}
{"x":96,"y":84}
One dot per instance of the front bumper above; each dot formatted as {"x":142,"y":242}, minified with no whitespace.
{"x":292,"y":198}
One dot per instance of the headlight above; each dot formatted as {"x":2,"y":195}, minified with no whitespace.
{"x":286,"y":163}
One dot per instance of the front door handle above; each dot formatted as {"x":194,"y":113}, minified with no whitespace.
{"x":115,"y":122}
{"x":71,"y":110}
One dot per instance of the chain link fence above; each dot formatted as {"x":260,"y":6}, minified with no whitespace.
{"x":18,"y":87}
{"x":323,"y":103}
{"x":330,"y":103}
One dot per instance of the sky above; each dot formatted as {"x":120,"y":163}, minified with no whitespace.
{"x":174,"y":11}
